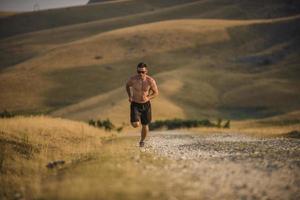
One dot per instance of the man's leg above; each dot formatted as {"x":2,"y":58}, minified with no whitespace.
{"x":134,"y":116}
{"x":145,"y":120}
{"x":144,"y":132}
{"x":135,"y":124}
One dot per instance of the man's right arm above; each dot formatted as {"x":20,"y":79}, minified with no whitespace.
{"x":128,"y":85}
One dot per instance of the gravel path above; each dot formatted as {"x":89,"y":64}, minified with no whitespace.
{"x":230,"y":166}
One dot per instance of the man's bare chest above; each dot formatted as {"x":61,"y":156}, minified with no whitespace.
{"x":141,"y":85}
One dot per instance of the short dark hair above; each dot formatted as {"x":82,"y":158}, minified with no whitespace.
{"x":141,"y":65}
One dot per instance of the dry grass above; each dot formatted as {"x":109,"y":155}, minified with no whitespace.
{"x":133,"y":42}
{"x":208,"y":88}
{"x":67,"y":16}
{"x":28,"y":144}
{"x":121,"y":171}
{"x":272,"y":126}
{"x":197,"y":66}
{"x":268,"y":127}
{"x":98,"y":165}
{"x":243,"y":128}
{"x":99,"y":56}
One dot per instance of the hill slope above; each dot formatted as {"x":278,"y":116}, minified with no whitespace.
{"x":204,"y":68}
{"x":29,"y":144}
{"x":25,"y":46}
{"x":235,"y":69}
{"x":47,"y":19}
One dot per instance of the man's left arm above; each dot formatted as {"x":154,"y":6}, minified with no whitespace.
{"x":153,"y":90}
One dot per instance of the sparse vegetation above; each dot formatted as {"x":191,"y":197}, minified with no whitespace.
{"x":31,"y":145}
{"x":293,"y":134}
{"x":227,"y":124}
{"x":219,"y":123}
{"x":106,"y":124}
{"x":180,"y":123}
{"x":236,"y":69}
{"x":9,"y":114}
{"x":6,"y":114}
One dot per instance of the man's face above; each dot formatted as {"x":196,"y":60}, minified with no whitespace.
{"x":142,"y":72}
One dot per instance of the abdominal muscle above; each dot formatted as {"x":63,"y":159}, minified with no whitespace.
{"x":140,"y":96}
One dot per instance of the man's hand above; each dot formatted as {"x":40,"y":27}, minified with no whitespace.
{"x":152,"y":94}
{"x":130,"y":99}
{"x":146,"y":97}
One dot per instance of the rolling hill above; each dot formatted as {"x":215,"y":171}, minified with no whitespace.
{"x":50,"y":28}
{"x":210,"y":60}
{"x":47,"y":19}
{"x":47,"y":29}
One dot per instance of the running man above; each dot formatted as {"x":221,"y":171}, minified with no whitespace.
{"x":141,"y":88}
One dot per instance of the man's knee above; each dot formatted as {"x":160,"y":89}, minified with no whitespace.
{"x":135,"y":124}
{"x":145,"y":126}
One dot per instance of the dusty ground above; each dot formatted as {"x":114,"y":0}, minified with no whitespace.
{"x":230,"y":166}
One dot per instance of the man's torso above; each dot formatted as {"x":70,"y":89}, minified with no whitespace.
{"x":141,"y":88}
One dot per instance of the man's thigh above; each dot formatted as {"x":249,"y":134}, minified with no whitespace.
{"x":146,"y":115}
{"x":135,"y":114}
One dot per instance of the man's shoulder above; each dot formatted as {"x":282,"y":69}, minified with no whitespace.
{"x":149,"y":78}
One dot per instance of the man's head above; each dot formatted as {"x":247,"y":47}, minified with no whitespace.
{"x":142,"y":69}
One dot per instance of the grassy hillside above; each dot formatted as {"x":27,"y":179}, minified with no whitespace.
{"x":87,"y":21}
{"x":205,"y":68}
{"x":39,"y":20}
{"x":218,"y":83}
{"x":29,"y":144}
{"x":17,"y":49}
{"x":234,"y":70}
{"x":95,"y":163}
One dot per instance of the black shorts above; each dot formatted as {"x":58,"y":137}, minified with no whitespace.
{"x":140,"y":111}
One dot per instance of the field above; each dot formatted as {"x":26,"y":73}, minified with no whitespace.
{"x":54,"y":158}
{"x":238,"y":67}
{"x":212,"y":59}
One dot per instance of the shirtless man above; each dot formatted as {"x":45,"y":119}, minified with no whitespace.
{"x":141,"y":88}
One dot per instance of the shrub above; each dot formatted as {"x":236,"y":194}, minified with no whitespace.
{"x":6,"y":114}
{"x":106,"y":124}
{"x":92,"y":122}
{"x":227,"y":124}
{"x":219,"y":123}
{"x":179,"y":123}
{"x":119,"y":129}
{"x":99,"y":123}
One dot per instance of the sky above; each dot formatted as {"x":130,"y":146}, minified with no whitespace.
{"x":29,"y":5}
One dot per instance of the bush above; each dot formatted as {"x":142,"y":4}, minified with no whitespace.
{"x":106,"y":124}
{"x":227,"y":124}
{"x":119,"y":129}
{"x":6,"y":114}
{"x":179,"y":123}
{"x":219,"y":123}
{"x":92,"y":122}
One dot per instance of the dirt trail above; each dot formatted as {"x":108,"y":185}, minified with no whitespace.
{"x":230,"y":166}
